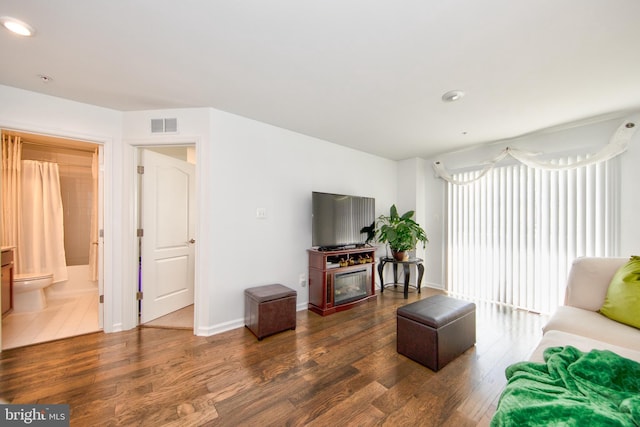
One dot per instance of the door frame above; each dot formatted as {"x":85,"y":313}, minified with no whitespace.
{"x":130,"y":317}
{"x":105,"y":206}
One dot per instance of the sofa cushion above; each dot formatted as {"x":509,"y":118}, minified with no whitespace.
{"x":593,"y":325}
{"x":622,"y":302}
{"x":561,"y":339}
{"x":589,"y":280}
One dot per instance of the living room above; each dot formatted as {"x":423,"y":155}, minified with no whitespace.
{"x":245,"y":164}
{"x":284,"y":189}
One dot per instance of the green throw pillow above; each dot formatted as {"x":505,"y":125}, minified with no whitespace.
{"x":623,"y":296}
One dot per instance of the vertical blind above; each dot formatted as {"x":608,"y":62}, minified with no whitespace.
{"x":513,"y":234}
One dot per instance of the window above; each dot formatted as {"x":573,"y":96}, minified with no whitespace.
{"x":513,"y":234}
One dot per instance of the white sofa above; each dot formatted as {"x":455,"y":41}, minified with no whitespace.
{"x":578,"y":322}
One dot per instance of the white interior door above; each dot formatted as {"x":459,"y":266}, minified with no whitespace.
{"x":167,"y":220}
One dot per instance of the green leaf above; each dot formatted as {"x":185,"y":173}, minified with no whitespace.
{"x":391,"y":234}
{"x":393,"y":212}
{"x":408,"y":215}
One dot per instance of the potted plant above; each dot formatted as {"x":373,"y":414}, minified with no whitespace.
{"x":400,"y":232}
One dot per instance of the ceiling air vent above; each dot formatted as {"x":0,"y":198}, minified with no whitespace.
{"x":164,"y":125}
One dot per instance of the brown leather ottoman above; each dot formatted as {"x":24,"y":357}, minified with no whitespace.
{"x":269,"y":309}
{"x":436,"y":330}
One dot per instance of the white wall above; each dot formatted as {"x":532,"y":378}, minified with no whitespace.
{"x":587,"y":137}
{"x":412,"y":195}
{"x":255,"y":165}
{"x":435,"y":225}
{"x":630,"y":197}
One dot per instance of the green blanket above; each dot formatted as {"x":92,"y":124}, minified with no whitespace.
{"x":571,"y":388}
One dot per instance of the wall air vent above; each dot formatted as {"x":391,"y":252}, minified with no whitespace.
{"x":164,"y":125}
{"x":171,"y":125}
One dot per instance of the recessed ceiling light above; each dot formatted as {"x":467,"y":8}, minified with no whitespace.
{"x":452,"y":95}
{"x":17,"y":27}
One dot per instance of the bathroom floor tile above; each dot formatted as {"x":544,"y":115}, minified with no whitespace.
{"x":63,"y":317}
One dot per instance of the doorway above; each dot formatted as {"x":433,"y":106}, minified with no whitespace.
{"x":166,"y":236}
{"x":73,"y":304}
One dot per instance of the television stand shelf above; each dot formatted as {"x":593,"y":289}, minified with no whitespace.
{"x":341,"y":279}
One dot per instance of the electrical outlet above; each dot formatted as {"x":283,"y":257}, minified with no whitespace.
{"x":303,"y":280}
{"x":261,"y":213}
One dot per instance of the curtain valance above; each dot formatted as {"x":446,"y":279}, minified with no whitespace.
{"x":617,"y":145}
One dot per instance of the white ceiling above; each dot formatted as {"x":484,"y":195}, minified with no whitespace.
{"x":367,"y":74}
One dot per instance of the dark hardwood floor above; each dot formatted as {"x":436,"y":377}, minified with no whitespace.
{"x":342,"y":369}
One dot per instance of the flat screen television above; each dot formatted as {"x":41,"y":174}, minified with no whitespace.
{"x":338,"y":220}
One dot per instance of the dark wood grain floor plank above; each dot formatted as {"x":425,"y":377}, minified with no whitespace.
{"x":341,"y":369}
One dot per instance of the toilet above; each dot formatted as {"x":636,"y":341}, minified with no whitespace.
{"x":28,"y":291}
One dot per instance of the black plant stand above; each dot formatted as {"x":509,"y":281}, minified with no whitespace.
{"x":406,"y":265}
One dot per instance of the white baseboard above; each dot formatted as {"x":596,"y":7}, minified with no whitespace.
{"x":206,"y":331}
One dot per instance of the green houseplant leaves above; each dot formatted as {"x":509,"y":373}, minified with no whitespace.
{"x":400,"y":232}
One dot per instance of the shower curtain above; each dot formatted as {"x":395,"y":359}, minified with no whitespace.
{"x":93,"y":234}
{"x":41,"y":237}
{"x":11,"y":155}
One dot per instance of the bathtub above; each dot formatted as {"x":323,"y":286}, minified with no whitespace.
{"x":77,"y":283}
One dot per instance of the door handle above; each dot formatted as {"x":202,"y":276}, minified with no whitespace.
{"x":192,"y":241}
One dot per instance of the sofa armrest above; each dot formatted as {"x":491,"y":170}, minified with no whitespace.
{"x":589,"y":280}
